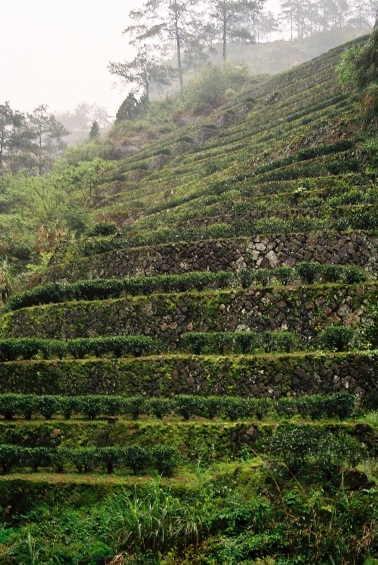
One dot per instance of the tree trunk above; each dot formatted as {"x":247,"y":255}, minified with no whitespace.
{"x":178,"y":48}
{"x":224,"y":16}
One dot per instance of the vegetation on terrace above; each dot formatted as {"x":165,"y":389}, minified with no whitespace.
{"x":216,"y":324}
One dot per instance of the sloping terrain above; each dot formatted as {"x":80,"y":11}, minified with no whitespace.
{"x":242,"y":279}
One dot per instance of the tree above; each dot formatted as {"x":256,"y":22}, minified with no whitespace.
{"x":265,"y":25}
{"x":131,"y":108}
{"x":6,"y":123}
{"x":363,"y":13}
{"x":145,"y":70}
{"x":80,"y":119}
{"x":230,"y":18}
{"x":47,"y":137}
{"x":165,"y":25}
{"x":95,"y":131}
{"x":300,"y":15}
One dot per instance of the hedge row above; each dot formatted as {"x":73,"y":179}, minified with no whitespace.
{"x":161,"y":458}
{"x":92,"y":406}
{"x":13,"y":349}
{"x":102,"y":289}
{"x":367,"y":220}
{"x":334,"y":338}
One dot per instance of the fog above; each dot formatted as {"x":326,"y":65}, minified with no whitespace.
{"x":56,"y":52}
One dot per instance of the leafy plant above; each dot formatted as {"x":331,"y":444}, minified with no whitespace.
{"x":336,"y":338}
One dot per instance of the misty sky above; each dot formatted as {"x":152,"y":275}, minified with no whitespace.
{"x":56,"y":52}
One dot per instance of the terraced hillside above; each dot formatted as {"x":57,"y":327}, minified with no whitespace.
{"x":228,"y":328}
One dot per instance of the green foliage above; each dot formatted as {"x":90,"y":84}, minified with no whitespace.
{"x":209,"y":86}
{"x":187,"y":405}
{"x":159,"y":407}
{"x":336,"y":338}
{"x":308,"y":271}
{"x":104,"y":228}
{"x":101,"y":289}
{"x":301,"y":446}
{"x":119,"y":346}
{"x":240,"y":342}
{"x":164,"y":458}
{"x":95,"y":406}
{"x":353,"y":275}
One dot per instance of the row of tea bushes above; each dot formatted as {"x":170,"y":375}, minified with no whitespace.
{"x":367,"y":220}
{"x":13,"y":349}
{"x":102,"y":289}
{"x":333,"y":338}
{"x":160,"y":458}
{"x":94,"y":406}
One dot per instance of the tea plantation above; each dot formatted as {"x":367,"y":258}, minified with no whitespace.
{"x":196,"y":382}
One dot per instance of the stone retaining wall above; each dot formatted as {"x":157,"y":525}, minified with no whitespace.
{"x":304,"y":310}
{"x":257,"y":376}
{"x":356,"y":248}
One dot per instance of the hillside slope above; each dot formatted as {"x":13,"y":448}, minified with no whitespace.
{"x":224,"y":338}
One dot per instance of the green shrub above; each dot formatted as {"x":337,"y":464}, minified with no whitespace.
{"x":213,"y":406}
{"x":308,"y":271}
{"x":136,"y":458}
{"x":339,"y":405}
{"x":58,"y":457}
{"x":331,"y":273}
{"x":336,"y":338}
{"x":263,"y":276}
{"x":287,"y":407}
{"x":10,"y":405}
{"x":84,"y":458}
{"x":91,"y":406}
{"x":247,"y":277}
{"x":13,"y":349}
{"x":353,"y":275}
{"x":283,"y":274}
{"x":188,"y":406}
{"x":28,"y":405}
{"x":364,"y":220}
{"x":280,"y":342}
{"x":237,"y":408}
{"x":10,"y":456}
{"x":48,"y":405}
{"x":36,"y":457}
{"x":104,"y":228}
{"x":102,"y":289}
{"x":135,"y":405}
{"x":110,"y":457}
{"x":246,"y":342}
{"x":300,"y":446}
{"x":159,"y":407}
{"x":164,"y":458}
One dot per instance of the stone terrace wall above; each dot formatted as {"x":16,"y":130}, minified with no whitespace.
{"x":274,"y":375}
{"x":214,"y":255}
{"x":304,"y":310}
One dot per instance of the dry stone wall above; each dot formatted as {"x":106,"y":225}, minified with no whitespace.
{"x":304,"y":310}
{"x":268,"y":376}
{"x":357,"y":248}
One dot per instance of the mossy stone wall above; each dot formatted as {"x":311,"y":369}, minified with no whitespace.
{"x":304,"y":310}
{"x":357,"y":248}
{"x":258,"y":376}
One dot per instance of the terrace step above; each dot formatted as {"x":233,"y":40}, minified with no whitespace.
{"x":233,"y":254}
{"x":273,"y":376}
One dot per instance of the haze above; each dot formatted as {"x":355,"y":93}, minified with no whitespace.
{"x":56,"y":53}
